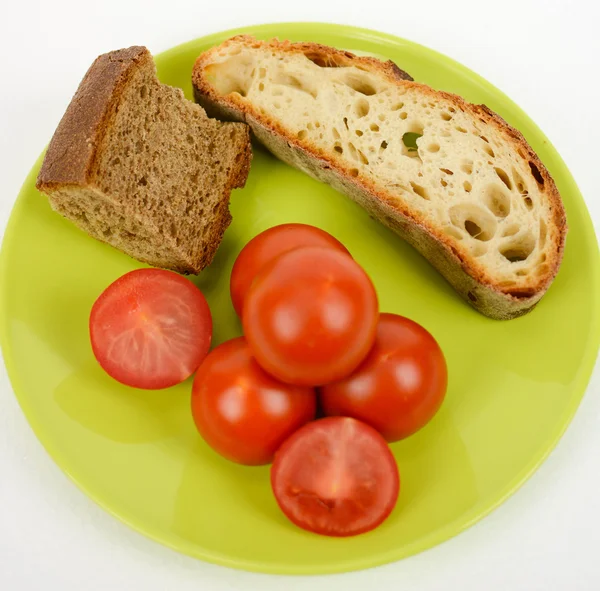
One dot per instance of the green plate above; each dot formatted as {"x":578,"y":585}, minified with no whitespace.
{"x":514,"y":386}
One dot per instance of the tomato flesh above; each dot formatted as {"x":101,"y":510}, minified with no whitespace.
{"x":399,"y":387}
{"x":310,"y":316}
{"x":150,"y":329}
{"x":336,"y":477}
{"x":243,"y":413}
{"x":268,"y":245}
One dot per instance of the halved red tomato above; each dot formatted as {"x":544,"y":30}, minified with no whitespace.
{"x":336,"y":477}
{"x":150,"y":329}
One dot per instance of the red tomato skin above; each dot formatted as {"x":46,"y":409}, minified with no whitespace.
{"x":243,"y":413}
{"x":124,"y":298}
{"x":316,"y":480}
{"x":399,"y":387}
{"x":268,"y":245}
{"x":310,"y":316}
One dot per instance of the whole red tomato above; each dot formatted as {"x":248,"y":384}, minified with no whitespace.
{"x":310,"y":316}
{"x":269,"y":245}
{"x":243,"y":413}
{"x":400,"y":385}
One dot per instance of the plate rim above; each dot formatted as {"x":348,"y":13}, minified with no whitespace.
{"x":440,"y":535}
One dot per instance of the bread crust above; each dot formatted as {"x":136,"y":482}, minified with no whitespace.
{"x":466,"y":275}
{"x":70,"y":156}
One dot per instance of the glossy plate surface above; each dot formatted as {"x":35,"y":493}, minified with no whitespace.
{"x":513,"y":388}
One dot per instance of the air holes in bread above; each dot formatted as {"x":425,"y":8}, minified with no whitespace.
{"x":293,"y":82}
{"x":144,"y":91}
{"x":528,"y":203}
{"x":338,"y":149}
{"x":358,"y":132}
{"x":461,"y":129}
{"x":537,"y":175}
{"x":353,"y":172}
{"x":335,"y":133}
{"x":467,"y":186}
{"x":447,"y":171}
{"x":302,"y":134}
{"x":384,"y":145}
{"x":488,"y":150}
{"x":467,"y":167}
{"x":473,"y":229}
{"x":497,"y":201}
{"x":361,"y":108}
{"x":352,"y":150}
{"x":397,"y":106}
{"x":475,"y":220}
{"x":419,"y":190}
{"x":433,"y":148}
{"x":232,"y":75}
{"x":360,"y":84}
{"x":445,"y":116}
{"x":403,"y":115}
{"x":411,"y":137}
{"x":519,"y":249}
{"x":329,"y":61}
{"x":519,"y":182}
{"x":504,"y":178}
{"x":374,"y":127}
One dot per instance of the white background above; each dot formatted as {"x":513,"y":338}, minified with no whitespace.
{"x":543,"y":54}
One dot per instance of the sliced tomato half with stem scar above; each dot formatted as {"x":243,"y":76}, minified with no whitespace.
{"x":150,"y":329}
{"x":336,"y":477}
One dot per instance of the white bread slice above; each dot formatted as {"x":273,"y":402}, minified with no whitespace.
{"x":452,"y":178}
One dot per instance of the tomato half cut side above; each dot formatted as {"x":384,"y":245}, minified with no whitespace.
{"x":150,"y":329}
{"x":335,"y":477}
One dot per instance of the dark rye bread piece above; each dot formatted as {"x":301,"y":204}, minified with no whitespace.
{"x":136,"y":165}
{"x":451,"y":178}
